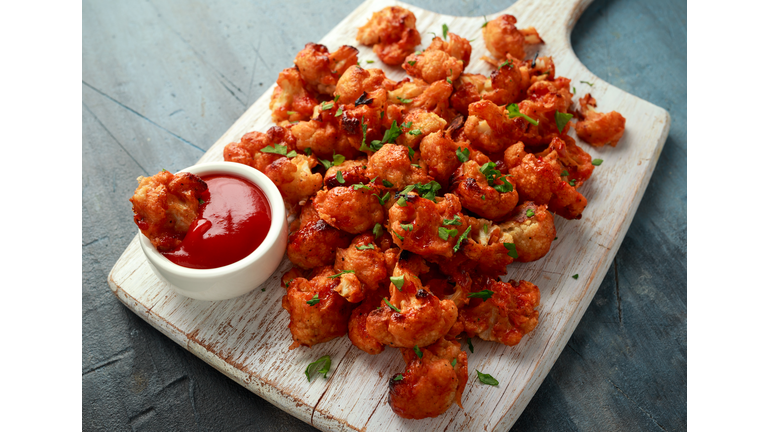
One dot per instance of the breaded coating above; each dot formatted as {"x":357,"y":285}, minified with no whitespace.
{"x":476,"y":194}
{"x":350,"y":210}
{"x":321,"y":320}
{"x":324,"y":135}
{"x":422,"y":318}
{"x":422,"y":123}
{"x":367,"y":260}
{"x":350,"y":288}
{"x":165,"y":205}
{"x":504,"y":86}
{"x":294,"y":178}
{"x":393,"y":164}
{"x":392,"y":32}
{"x":596,"y":128}
{"x":358,"y":333}
{"x":431,"y":383}
{"x":485,"y":248}
{"x":315,"y":242}
{"x":290,"y":101}
{"x":438,"y":152}
{"x":453,"y":284}
{"x":506,"y":316}
{"x":249,"y":150}
{"x":489,"y":128}
{"x":502,"y":37}
{"x":434,"y":65}
{"x":531,"y":228}
{"x":436,"y":99}
{"x":576,"y":162}
{"x":321,"y":69}
{"x":456,"y":46}
{"x":352,"y":172}
{"x":357,"y":80}
{"x":416,"y":224}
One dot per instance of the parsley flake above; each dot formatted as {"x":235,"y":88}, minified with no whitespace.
{"x":587,"y":82}
{"x":455,"y":221}
{"x":377,"y":230}
{"x":361,"y":186}
{"x":485,"y":23}
{"x":471,"y":347}
{"x":402,"y":202}
{"x":445,"y":36}
{"x":405,"y":101}
{"x":529,"y":213}
{"x":443,"y":233}
{"x":416,"y":348}
{"x":533,"y":63}
{"x":512,"y":250}
{"x":462,"y":154}
{"x":561,"y":119}
{"x":453,"y":363}
{"x":338,"y":159}
{"x":597,"y":162}
{"x":486,"y":378}
{"x":200,"y":200}
{"x":484,"y":294}
{"x":411,"y":62}
{"x":341,"y":273}
{"x":506,"y":186}
{"x":291,"y":112}
{"x":326,"y":105}
{"x":276,"y":149}
{"x":576,"y":276}
{"x":382,"y":200}
{"x":564,"y":173}
{"x":369,"y":61}
{"x":461,"y":239}
{"x":407,"y":227}
{"x":391,"y":306}
{"x":340,"y":177}
{"x":572,"y":182}
{"x":415,"y":132}
{"x":506,"y":63}
{"x":514,"y":111}
{"x":386,"y":183}
{"x":319,"y":366}
{"x":308,"y":151}
{"x":398,"y":236}
{"x":339,"y":112}
{"x":399,"y":377}
{"x":485,"y":228}
{"x":313,"y":301}
{"x":369,"y":246}
{"x":397,"y":281}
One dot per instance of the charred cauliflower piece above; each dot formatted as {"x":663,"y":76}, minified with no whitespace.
{"x":358,"y":333}
{"x":349,"y":209}
{"x":432,"y":382}
{"x":502,"y":37}
{"x":432,"y":66}
{"x":318,"y":313}
{"x":576,"y":164}
{"x":422,"y":123}
{"x":249,"y":151}
{"x":366,"y":259}
{"x":392,"y":32}
{"x":165,"y":205}
{"x":321,"y":69}
{"x":484,"y":190}
{"x":486,"y":249}
{"x":396,"y":165}
{"x":315,"y":242}
{"x":506,"y":316}
{"x":531,"y":229}
{"x":598,"y":128}
{"x":425,"y":227}
{"x":290,"y":101}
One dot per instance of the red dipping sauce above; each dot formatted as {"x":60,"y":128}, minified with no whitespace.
{"x":233,"y":222}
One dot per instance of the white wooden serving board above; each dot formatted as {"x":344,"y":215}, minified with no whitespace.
{"x":247,"y":338}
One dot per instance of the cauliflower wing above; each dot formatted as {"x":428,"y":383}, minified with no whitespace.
{"x":416,"y":224}
{"x":478,"y":195}
{"x":433,"y":65}
{"x":315,"y":242}
{"x":321,"y":69}
{"x":598,"y":128}
{"x":290,"y":101}
{"x":394,"y":164}
{"x":366,"y":258}
{"x":249,"y":150}
{"x":392,"y":32}
{"x":349,"y":209}
{"x":502,"y":37}
{"x":294,"y":178}
{"x":165,"y":205}
{"x":358,"y":333}
{"x":531,"y":228}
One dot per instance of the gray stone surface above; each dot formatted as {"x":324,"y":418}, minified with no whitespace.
{"x":163,"y":80}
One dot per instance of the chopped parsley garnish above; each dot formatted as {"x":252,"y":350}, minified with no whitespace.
{"x":564,"y":173}
{"x":338,"y":159}
{"x":341,"y":273}
{"x":484,"y":294}
{"x":419,"y":354}
{"x":445,"y":36}
{"x":402,"y":202}
{"x":485,"y":23}
{"x":491,"y":174}
{"x":392,"y":133}
{"x":165,"y":170}
{"x":361,"y":186}
{"x":514,"y":111}
{"x":506,"y":63}
{"x":411,"y":62}
{"x":339,"y":112}
{"x":587,"y":82}
{"x":576,"y":276}
{"x":455,"y":221}
{"x":369,"y":61}
{"x":340,"y":177}
{"x":512,"y":250}
{"x":398,"y":281}
{"x":308,"y":151}
{"x":462,"y":154}
{"x":200,"y":200}
{"x":313,"y":301}
{"x":471,"y":347}
{"x":382,"y":200}
{"x":533,"y":63}
{"x":485,"y":228}
{"x":449,"y":80}
{"x":375,"y":144}
{"x":336,"y":98}
{"x":326,"y":164}
{"x":453,"y":363}
{"x":319,"y":366}
{"x":427,"y":191}
{"x":574,"y":90}
{"x":597,"y":162}
{"x":291,"y":112}
{"x":391,"y":306}
{"x":378,"y":230}
{"x":398,"y":236}
{"x":386,"y":183}
{"x":279,"y":149}
{"x":443,"y":233}
{"x":399,"y":377}
{"x":415,"y":132}
{"x":326,"y":105}
{"x":572,"y":182}
{"x":406,"y":227}
{"x":486,"y":378}
{"x":461,"y":239}
{"x":483,"y":197}
{"x":561,"y":119}
{"x":529,"y":213}
{"x":405,"y":101}
{"x":505,"y":186}
{"x":411,"y":153}
{"x":369,"y":246}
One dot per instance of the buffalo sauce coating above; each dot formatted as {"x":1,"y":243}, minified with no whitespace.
{"x":234,"y":220}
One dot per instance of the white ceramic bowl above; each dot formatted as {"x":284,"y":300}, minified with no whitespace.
{"x":238,"y":278}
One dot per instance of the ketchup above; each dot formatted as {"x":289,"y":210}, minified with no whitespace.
{"x":234,"y":219}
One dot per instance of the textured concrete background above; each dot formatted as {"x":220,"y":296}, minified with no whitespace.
{"x":163,"y":80}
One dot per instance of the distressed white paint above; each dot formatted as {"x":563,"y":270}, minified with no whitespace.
{"x":247,"y":338}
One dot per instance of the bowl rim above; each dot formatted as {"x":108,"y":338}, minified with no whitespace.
{"x":277,"y":207}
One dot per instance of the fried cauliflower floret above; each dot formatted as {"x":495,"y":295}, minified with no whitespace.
{"x":392,"y":32}
{"x":438,"y":151}
{"x":324,"y":135}
{"x":407,"y":89}
{"x":489,"y":127}
{"x":476,"y":194}
{"x":290,"y":100}
{"x":315,"y":242}
{"x":596,"y":128}
{"x":366,"y":259}
{"x":320,"y":321}
{"x":357,"y":80}
{"x":350,"y":288}
{"x":538,"y":179}
{"x":485,"y":247}
{"x":321,"y":69}
{"x":165,"y":205}
{"x":420,"y":318}
{"x":350,"y":210}
{"x":393,"y":164}
{"x":502,"y":37}
{"x":456,"y":46}
{"x":358,"y":333}
{"x":352,"y":172}
{"x":431,"y":383}
{"x":531,"y":228}
{"x":249,"y":150}
{"x":436,"y":99}
{"x":504,"y":86}
{"x":433,"y":66}
{"x":506,"y":316}
{"x":576,"y":163}
{"x":416,"y":224}
{"x":294,"y":178}
{"x":422,"y":123}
